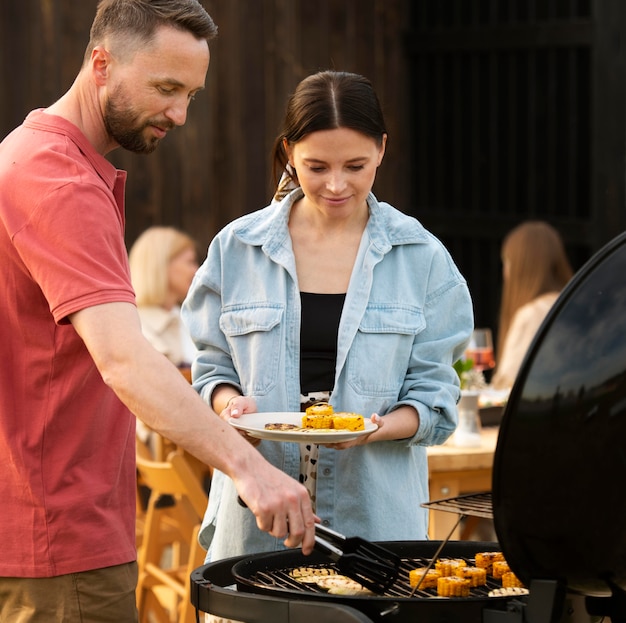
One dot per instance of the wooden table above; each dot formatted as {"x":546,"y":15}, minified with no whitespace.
{"x":455,"y":471}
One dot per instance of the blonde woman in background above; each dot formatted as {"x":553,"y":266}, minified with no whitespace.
{"x":535,"y":269}
{"x":163,"y":261}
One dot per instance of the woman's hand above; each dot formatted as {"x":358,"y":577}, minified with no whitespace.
{"x":361,"y":440}
{"x":235,"y":407}
{"x":401,"y":423}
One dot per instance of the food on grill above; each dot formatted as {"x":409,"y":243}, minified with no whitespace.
{"x":320,"y":408}
{"x":429,"y":581}
{"x":448,"y":566}
{"x":486,"y":559}
{"x":476,"y":575}
{"x":303,"y":574}
{"x":341,"y":585}
{"x":510,"y":580}
{"x":453,"y":586}
{"x":500,"y":567}
{"x":308,"y":579}
{"x":280,"y":426}
{"x":328,"y":580}
{"x":508,"y":592}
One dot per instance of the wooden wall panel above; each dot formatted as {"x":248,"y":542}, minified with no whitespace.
{"x":217,"y":166}
{"x":461,"y":82}
{"x":503,"y":94}
{"x":263,"y":51}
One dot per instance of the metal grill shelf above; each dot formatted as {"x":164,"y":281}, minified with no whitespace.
{"x":471,"y":505}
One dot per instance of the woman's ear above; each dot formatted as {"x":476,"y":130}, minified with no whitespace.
{"x":287,"y":150}
{"x":381,"y":150}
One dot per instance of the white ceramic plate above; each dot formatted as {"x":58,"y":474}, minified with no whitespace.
{"x":254,"y":425}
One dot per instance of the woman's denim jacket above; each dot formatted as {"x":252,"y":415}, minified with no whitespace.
{"x":407,"y":316}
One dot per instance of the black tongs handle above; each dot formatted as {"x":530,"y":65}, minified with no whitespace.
{"x":329,"y":541}
{"x":330,"y":535}
{"x":368,"y":563}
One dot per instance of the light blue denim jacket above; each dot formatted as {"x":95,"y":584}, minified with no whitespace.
{"x":407,"y":316}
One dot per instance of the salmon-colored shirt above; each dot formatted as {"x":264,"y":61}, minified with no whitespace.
{"x":67,"y":462}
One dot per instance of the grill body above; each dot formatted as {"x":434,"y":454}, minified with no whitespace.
{"x":558,"y":517}
{"x":263,"y":594}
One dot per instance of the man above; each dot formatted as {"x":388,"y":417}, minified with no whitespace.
{"x":75,"y":367}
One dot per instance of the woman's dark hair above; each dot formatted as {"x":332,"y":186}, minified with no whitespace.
{"x":325,"y":101}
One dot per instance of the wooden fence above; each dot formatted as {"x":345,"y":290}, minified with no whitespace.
{"x":498,"y":111}
{"x":216,"y":167}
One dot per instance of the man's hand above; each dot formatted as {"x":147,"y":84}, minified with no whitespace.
{"x":281,"y":505}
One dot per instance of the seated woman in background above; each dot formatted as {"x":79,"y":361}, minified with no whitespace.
{"x":163,"y":262}
{"x":535,"y":269}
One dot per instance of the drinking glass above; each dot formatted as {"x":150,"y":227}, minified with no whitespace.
{"x":480,"y":350}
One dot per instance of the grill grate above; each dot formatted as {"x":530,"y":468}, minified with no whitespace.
{"x":281,"y":579}
{"x":473,"y":505}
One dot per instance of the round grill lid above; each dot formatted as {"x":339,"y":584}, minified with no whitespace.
{"x":559,"y":484}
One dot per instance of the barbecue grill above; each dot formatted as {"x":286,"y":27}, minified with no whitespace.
{"x":558,"y":499}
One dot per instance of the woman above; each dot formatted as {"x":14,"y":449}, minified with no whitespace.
{"x":163,"y":262}
{"x":331,"y":293}
{"x":535,"y":269}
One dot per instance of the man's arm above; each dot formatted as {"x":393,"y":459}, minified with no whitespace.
{"x":155,"y":391}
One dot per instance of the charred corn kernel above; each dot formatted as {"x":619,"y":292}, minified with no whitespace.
{"x":500,"y":567}
{"x":429,"y":581}
{"x":476,"y":575}
{"x":453,"y":586}
{"x":317,"y":421}
{"x":509,"y":580}
{"x":486,"y":559}
{"x":447,"y":566}
{"x":348,"y":421}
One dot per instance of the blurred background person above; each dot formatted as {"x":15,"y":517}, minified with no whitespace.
{"x":163,"y":261}
{"x":535,"y":268}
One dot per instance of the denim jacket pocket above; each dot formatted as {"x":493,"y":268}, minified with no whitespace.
{"x":381,"y":352}
{"x":255,"y":333}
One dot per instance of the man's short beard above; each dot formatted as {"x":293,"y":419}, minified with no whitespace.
{"x":120,"y":125}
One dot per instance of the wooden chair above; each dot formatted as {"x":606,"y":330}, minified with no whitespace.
{"x":170,"y":535}
{"x":163,"y":588}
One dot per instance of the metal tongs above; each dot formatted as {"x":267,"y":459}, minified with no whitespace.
{"x":368,"y":564}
